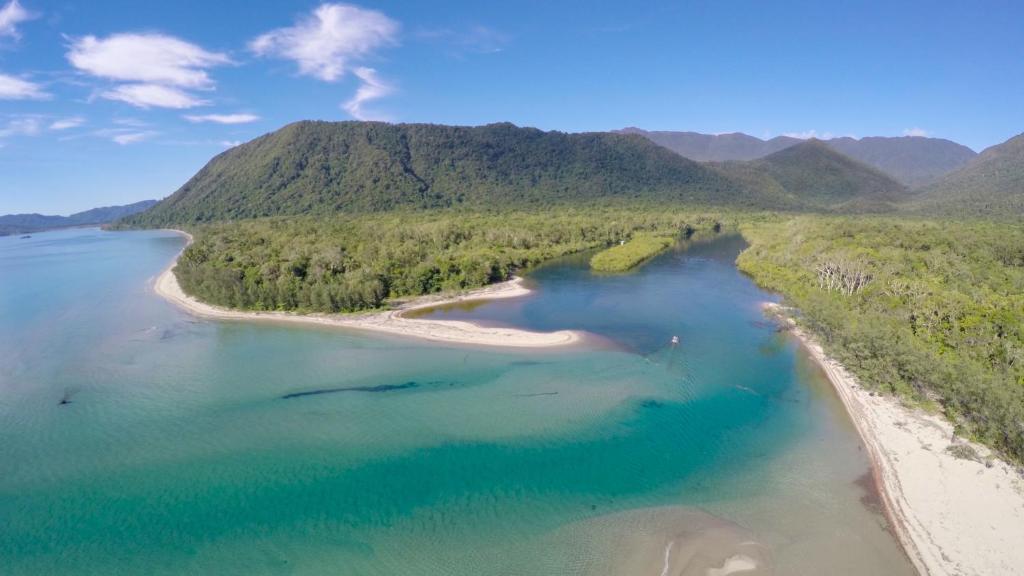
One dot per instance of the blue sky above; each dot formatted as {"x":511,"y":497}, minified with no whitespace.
{"x":113,"y":101}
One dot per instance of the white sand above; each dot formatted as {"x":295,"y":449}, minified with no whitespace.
{"x":391,"y":321}
{"x":734,"y":565}
{"x":953,"y":516}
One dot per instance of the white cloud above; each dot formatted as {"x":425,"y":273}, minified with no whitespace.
{"x":222,"y":118}
{"x":158,"y":69}
{"x":148,"y":58}
{"x":808,"y":134}
{"x":131,"y":137}
{"x":14,"y":88}
{"x":67,"y":123}
{"x":370,"y":88}
{"x":10,"y":16}
{"x":324,"y":43}
{"x":474,"y":39}
{"x":916,"y":132}
{"x":153,"y":95}
{"x":124,"y":136}
{"x":230,"y":143}
{"x":28,"y":126}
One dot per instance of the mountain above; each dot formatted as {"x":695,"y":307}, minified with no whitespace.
{"x":23,"y":223}
{"x":813,"y":175}
{"x":330,"y":167}
{"x":912,"y":160}
{"x":714,"y":147}
{"x":991,"y":184}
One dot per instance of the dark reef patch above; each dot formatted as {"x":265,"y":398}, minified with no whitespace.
{"x":378,"y":388}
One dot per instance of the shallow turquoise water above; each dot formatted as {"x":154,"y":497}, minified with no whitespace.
{"x":135,"y":439}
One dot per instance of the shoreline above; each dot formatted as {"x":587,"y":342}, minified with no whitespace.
{"x":389,"y":321}
{"x":952,"y":516}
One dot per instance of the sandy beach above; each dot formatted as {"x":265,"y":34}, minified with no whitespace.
{"x":391,"y":321}
{"x":953,"y":516}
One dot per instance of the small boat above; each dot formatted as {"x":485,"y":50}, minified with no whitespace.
{"x":675,"y":340}
{"x":27,"y":236}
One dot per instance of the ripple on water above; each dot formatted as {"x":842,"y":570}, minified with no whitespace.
{"x":177,"y":455}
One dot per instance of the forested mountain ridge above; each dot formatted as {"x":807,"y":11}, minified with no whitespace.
{"x":813,"y":175}
{"x":336,"y":167}
{"x":714,"y":147}
{"x":991,"y":185}
{"x":22,"y":223}
{"x":912,"y":160}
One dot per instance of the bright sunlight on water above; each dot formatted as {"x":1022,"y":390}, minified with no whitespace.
{"x":136,"y":439}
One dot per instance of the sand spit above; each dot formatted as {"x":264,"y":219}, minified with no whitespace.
{"x":391,"y":321}
{"x":954,"y":516}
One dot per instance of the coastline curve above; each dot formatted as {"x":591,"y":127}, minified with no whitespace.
{"x":953,"y":517}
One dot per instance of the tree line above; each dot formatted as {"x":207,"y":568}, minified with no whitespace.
{"x":933,"y":311}
{"x":346,"y":263}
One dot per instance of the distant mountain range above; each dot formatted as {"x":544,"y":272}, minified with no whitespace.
{"x":27,"y":223}
{"x":915,"y":161}
{"x":991,"y":184}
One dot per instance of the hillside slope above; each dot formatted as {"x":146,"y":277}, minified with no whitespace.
{"x":991,"y":185}
{"x":324,"y":167}
{"x":813,"y":175}
{"x":913,"y":160}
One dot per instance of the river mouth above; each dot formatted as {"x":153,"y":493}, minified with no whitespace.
{"x":196,"y":446}
{"x":642,"y":311}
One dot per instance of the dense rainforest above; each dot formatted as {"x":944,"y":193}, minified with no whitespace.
{"x":932,"y":310}
{"x":323,"y":168}
{"x":345,"y":263}
{"x":320,"y":168}
{"x":629,"y":254}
